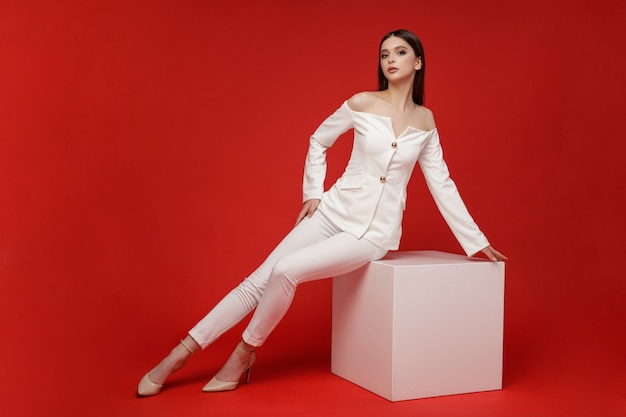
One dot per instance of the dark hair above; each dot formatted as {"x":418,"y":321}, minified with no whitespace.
{"x":418,"y":81}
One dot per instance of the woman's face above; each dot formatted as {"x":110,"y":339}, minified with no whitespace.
{"x":398,"y":60}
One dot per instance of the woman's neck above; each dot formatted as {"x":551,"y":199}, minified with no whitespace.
{"x":401,"y":96}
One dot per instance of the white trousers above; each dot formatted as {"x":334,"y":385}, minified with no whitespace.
{"x":314,"y":249}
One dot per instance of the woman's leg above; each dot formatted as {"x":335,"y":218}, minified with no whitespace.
{"x":336,"y":255}
{"x":245,"y":297}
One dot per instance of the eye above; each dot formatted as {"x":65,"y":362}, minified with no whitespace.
{"x":401,"y":52}
{"x":384,"y":55}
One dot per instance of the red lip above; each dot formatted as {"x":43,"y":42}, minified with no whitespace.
{"x":392,"y":69}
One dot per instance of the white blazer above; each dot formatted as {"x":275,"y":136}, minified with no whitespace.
{"x":369,"y":199}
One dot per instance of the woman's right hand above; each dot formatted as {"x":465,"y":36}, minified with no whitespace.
{"x":308,"y":208}
{"x":493,"y":254}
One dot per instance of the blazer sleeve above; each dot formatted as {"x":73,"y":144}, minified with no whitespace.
{"x":323,"y":138}
{"x":448,"y":199}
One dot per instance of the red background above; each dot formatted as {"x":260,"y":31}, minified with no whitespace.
{"x":151,"y":155}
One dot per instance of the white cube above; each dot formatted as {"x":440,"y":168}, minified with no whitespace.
{"x":420,"y":324}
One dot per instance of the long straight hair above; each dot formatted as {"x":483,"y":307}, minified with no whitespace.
{"x":418,"y":81}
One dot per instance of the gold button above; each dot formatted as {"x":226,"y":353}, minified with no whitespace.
{"x":394,"y":145}
{"x":383,"y":179}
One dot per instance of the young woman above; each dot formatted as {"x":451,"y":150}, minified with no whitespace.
{"x":355,"y":222}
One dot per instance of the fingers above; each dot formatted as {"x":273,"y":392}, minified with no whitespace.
{"x":499,"y":256}
{"x":490,"y":255}
{"x":301,"y":215}
{"x":308,"y":208}
{"x":493,"y":254}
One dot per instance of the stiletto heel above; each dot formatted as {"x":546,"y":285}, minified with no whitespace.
{"x":215,"y":385}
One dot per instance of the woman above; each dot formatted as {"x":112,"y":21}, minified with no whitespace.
{"x":355,"y":222}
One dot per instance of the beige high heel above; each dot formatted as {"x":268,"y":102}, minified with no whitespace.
{"x":147,"y":388}
{"x":215,"y":385}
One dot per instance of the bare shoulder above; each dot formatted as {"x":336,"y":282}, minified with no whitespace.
{"x":364,"y":101}
{"x":424,"y":118}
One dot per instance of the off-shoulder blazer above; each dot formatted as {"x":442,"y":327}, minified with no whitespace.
{"x":369,"y":198}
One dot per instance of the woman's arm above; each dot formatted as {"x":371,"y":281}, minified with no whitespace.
{"x":315,"y":165}
{"x":449,"y":202}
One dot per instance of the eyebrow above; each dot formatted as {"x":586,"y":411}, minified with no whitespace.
{"x":397,"y":47}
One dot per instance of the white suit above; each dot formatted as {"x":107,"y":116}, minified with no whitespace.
{"x":359,"y":218}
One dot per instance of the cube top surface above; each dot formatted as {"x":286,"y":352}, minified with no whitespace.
{"x":425,"y":257}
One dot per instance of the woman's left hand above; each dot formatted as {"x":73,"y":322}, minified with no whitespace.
{"x":493,"y":254}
